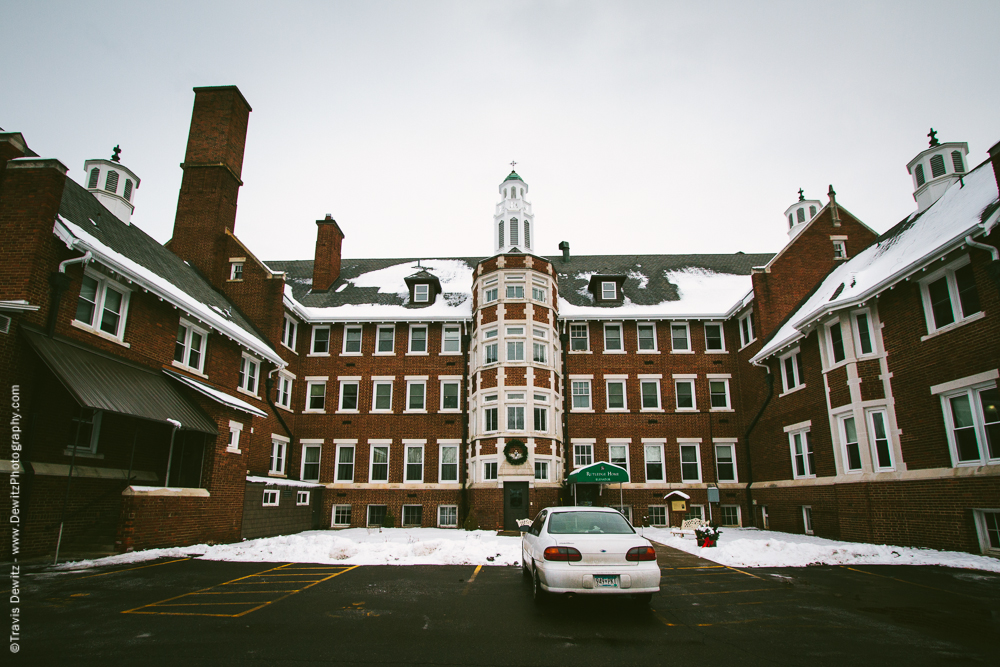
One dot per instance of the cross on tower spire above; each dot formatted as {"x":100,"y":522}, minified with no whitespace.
{"x":802,"y":195}
{"x":116,"y":154}
{"x":512,"y":163}
{"x":934,"y":140}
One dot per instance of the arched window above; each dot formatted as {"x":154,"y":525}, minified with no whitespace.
{"x":937,"y":165}
{"x":527,"y":234}
{"x":505,"y":193}
{"x":513,"y":232}
{"x":801,"y":214}
{"x":522,"y":193}
{"x":111,"y":183}
{"x":501,"y":234}
{"x":791,"y":221}
{"x":918,"y":171}
{"x":812,"y":211}
{"x":128,"y":189}
{"x":95,"y":174}
{"x":956,"y":161}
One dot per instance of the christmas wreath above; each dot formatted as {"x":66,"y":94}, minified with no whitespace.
{"x":516,"y":452}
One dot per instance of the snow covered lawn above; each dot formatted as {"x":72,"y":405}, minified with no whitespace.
{"x":434,"y":546}
{"x":741,"y":547}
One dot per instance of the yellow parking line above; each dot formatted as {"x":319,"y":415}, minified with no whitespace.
{"x":465,"y":591}
{"x":127,"y":569}
{"x":206,"y":592}
{"x":746,"y":573}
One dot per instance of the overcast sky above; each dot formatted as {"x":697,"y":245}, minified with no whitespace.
{"x":640,"y":127}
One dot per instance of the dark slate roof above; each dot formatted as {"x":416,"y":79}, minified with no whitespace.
{"x":81,"y":207}
{"x":658,"y":289}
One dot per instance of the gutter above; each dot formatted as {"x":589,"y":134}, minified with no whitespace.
{"x":59,"y":282}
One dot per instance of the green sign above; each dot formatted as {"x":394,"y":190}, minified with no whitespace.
{"x":601,"y":472}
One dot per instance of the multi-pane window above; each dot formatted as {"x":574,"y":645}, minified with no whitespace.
{"x":316,"y":392}
{"x":746,"y":329}
{"x":714,"y":339}
{"x":448,"y":464}
{"x":539,"y":352}
{"x":608,"y":290}
{"x":657,"y":515}
{"x":416,"y":395}
{"x":538,"y":293}
{"x":490,"y":353}
{"x":341,"y":515}
{"x":803,"y":464}
{"x":490,"y":294}
{"x":352,"y":340}
{"x":791,"y":371}
{"x":863,"y":333}
{"x":578,"y":338}
{"x":376,"y":514}
{"x":515,"y":291}
{"x":950,"y":296}
{"x":972,"y":418}
{"x":680,"y":337}
{"x":515,"y":417}
{"x":695,"y":512}
{"x":684,"y":390}
{"x":320,"y":340}
{"x":654,"y":462}
{"x":650,"y":390}
{"x":447,"y":516}
{"x":515,"y":350}
{"x":612,"y":337}
{"x":421,"y":293}
{"x":541,"y":470}
{"x":102,"y":306}
{"x":271,"y":498}
{"x":310,"y":462}
{"x":414,"y":463}
{"x":581,"y":394}
{"x":541,"y":414}
{"x":839,"y":250}
{"x":730,"y":515}
{"x":284,"y":391}
{"x":418,"y":339}
{"x":288,"y":329}
{"x":386,"y":340}
{"x":87,"y":429}
{"x":690,"y":463}
{"x":449,"y":395}
{"x":451,"y":340}
{"x":835,"y":334}
{"x":725,"y":463}
{"x":618,"y":455}
{"x":852,"y":450}
{"x":490,"y":471}
{"x":583,"y":455}
{"x":301,"y":497}
{"x":616,"y":395}
{"x":190,"y":347}
{"x":279,"y":450}
{"x":490,"y":421}
{"x":718,"y":390}
{"x":379,"y":464}
{"x":878,"y":437}
{"x":382,"y":399}
{"x":249,"y":373}
{"x":349,"y":395}
{"x":647,"y":336}
{"x":236,"y":271}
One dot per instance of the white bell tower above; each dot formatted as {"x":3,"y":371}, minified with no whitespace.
{"x":113,"y":184}
{"x":800,"y":213}
{"x":936,"y":168}
{"x":513,"y":222}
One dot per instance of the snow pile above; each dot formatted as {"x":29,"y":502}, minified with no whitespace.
{"x":455,"y":276}
{"x":742,"y":547}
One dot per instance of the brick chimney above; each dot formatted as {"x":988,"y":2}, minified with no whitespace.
{"x":12,"y":146}
{"x":326,"y":265}
{"x":212,"y":166}
{"x":995,"y":159}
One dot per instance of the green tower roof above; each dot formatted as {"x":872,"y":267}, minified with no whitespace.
{"x":513,"y":177}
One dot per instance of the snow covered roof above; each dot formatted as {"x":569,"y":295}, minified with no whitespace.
{"x":85,"y":224}
{"x":969,"y":207}
{"x":215,"y":394}
{"x":656,"y":286}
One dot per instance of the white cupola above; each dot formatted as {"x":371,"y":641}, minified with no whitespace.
{"x":513,"y":222}
{"x":800,"y":213}
{"x":113,"y":184}
{"x":935,"y":169}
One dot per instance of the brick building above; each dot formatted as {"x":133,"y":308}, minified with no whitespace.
{"x":192,"y":392}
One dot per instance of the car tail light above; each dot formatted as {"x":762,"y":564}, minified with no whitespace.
{"x":641,"y":553}
{"x":563,"y":554}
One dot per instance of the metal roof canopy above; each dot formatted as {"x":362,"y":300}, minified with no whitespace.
{"x":102,"y":382}
{"x":600,"y":472}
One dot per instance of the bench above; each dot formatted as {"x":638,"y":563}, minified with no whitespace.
{"x":688,"y":527}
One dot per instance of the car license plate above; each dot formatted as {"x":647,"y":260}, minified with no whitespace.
{"x":606,"y":580}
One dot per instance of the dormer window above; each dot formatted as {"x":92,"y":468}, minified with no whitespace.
{"x":424,"y":287}
{"x":111,"y":183}
{"x":937,"y":165}
{"x":919,"y":173}
{"x":95,"y":174}
{"x":608,"y":291}
{"x":421,"y":293}
{"x":607,"y":288}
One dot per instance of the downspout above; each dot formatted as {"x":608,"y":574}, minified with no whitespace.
{"x":463,"y":502}
{"x":170,"y":454}
{"x":769,"y":380}
{"x":69,"y":480}
{"x":59,"y":282}
{"x":993,"y":268}
{"x":567,"y":397}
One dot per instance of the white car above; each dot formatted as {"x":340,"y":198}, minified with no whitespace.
{"x":588,"y":551}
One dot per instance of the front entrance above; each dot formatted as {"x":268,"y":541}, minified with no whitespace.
{"x":515,"y":503}
{"x":587,"y":495}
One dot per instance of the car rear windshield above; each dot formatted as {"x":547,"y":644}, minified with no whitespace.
{"x":589,"y":523}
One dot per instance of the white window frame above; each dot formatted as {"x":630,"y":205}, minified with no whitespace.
{"x":412,"y":381}
{"x":342,"y":446}
{"x":104,"y":284}
{"x":409,"y":350}
{"x":284,"y":393}
{"x":621,"y":338}
{"x":311,"y":382}
{"x":491,"y":290}
{"x":538,"y":292}
{"x":690,"y":380}
{"x":739,"y":515}
{"x":449,"y":444}
{"x":585,"y":338}
{"x":607,"y":285}
{"x":348,"y":381}
{"x":376,"y":382}
{"x":588,"y":380}
{"x":638,"y":343}
{"x":654,"y":380}
{"x":687,"y":338}
{"x":289,"y":332}
{"x":421,"y":293}
{"x":513,"y":403}
{"x":440,"y":524}
{"x":723,"y":378}
{"x":960,"y":317}
{"x":490,"y":471}
{"x":236,"y":270}
{"x":372,"y":446}
{"x":970,"y":387}
{"x":839,"y":249}
{"x":658,"y":446}
{"x":407,"y":446}
{"x":348,"y":328}
{"x":392,"y":339}
{"x":745,"y":325}
{"x":796,"y":359}
{"x":723,"y":443}
{"x":540,"y":461}
{"x":872,"y":442}
{"x":301,"y":498}
{"x":982,"y":527}
{"x":807,"y":521}
{"x":368,"y":514}
{"x":271,"y":498}
{"x":235,"y":431}
{"x":582,"y":449}
{"x":190,"y":329}
{"x":333,"y":516}
{"x":312,"y":341}
{"x":537,"y":358}
{"x":808,"y":462}
{"x":689,"y":443}
{"x":615,"y":379}
{"x":535,"y":407}
{"x":722,"y":337}
{"x":495,"y":407}
{"x":279,"y":454}
{"x":457,"y":338}
{"x":248,"y":362}
{"x":450,"y":380}
{"x":845,"y":441}
{"x":627,"y":444}
{"x":831,"y":356}
{"x":856,"y":333}
{"x":310,"y":444}
{"x":666,"y":515}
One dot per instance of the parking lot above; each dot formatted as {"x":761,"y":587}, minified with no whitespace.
{"x":188,"y":610}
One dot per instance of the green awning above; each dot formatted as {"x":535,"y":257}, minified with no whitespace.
{"x":601,"y":472}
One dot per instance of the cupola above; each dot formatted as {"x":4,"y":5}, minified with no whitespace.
{"x":513,"y":222}
{"x":800,"y":213}
{"x":113,"y":184}
{"x":935,"y":168}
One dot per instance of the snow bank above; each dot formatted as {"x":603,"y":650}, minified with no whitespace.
{"x":741,"y":547}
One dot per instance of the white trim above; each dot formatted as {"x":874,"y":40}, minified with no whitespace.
{"x":967,"y":381}
{"x":689,"y":442}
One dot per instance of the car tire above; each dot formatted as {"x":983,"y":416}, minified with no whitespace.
{"x":539,"y":594}
{"x":642,"y":599}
